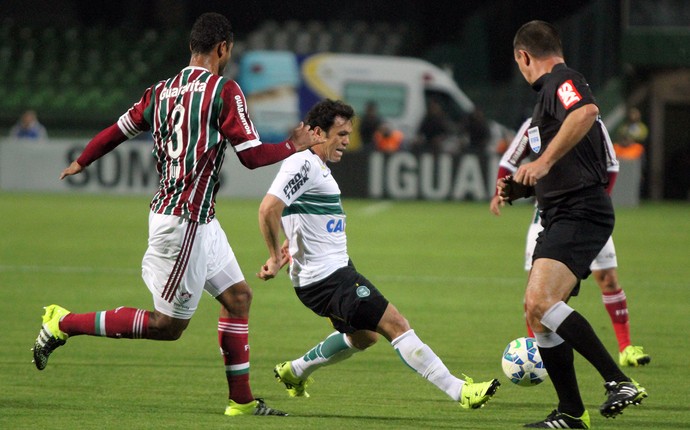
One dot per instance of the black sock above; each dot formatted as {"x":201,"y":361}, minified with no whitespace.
{"x":559,"y":362}
{"x":579,"y":334}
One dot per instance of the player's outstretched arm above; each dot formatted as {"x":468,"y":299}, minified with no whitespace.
{"x":104,"y":142}
{"x":303,"y":137}
{"x":300,"y":139}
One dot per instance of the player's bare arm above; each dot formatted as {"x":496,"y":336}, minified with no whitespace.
{"x":574,"y":128}
{"x":270,"y":212}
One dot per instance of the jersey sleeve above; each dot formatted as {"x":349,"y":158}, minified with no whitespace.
{"x":133,"y":122}
{"x":295,"y":177}
{"x":235,"y":123}
{"x":237,"y":128}
{"x":518,"y":149}
{"x":130,"y":124}
{"x":612,"y":164}
{"x":572,"y":92}
{"x":104,"y":142}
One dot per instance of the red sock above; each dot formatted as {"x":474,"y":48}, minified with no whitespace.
{"x":124,"y":322}
{"x":233,"y":337}
{"x":617,"y":307}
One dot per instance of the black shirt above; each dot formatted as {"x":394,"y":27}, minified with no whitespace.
{"x":584,"y":166}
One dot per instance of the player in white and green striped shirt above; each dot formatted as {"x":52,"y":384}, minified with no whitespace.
{"x":304,"y":199}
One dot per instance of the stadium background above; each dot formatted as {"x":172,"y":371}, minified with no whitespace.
{"x":459,"y":278}
{"x":80,"y":64}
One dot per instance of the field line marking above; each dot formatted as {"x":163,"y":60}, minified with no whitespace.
{"x":376,"y":208}
{"x":426,"y":279}
{"x":67,"y":269}
{"x":430,"y":279}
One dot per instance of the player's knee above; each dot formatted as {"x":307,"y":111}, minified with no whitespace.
{"x":363,"y":339}
{"x":163,"y":327}
{"x":537,"y":326}
{"x":535,"y":309}
{"x":173,"y":329}
{"x":531,"y":305}
{"x":243,"y":299}
{"x":242,"y":293}
{"x":393,"y":323}
{"x":401,"y":324}
{"x":236,"y":301}
{"x":173,"y":333}
{"x":607,"y":280}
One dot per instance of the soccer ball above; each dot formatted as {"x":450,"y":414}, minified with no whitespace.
{"x":522,"y":363}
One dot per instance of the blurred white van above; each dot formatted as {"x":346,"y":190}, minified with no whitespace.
{"x":281,"y":86}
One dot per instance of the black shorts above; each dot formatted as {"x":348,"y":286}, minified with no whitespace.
{"x":576,"y":230}
{"x":347,"y":298}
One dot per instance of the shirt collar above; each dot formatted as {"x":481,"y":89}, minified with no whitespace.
{"x":539,"y":83}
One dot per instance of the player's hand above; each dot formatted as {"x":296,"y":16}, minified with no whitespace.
{"x":271,"y":268}
{"x":509,"y":190}
{"x":496,"y":204}
{"x":529,"y":173}
{"x":72,"y":169}
{"x":502,"y":195}
{"x":303,"y":137}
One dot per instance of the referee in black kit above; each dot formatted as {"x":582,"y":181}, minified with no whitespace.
{"x":568,"y":173}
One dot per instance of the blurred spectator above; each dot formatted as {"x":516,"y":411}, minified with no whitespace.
{"x":628,"y":149}
{"x":28,"y":127}
{"x":631,"y":137}
{"x":478,"y":129}
{"x":437,"y":131}
{"x":369,"y":123}
{"x":633,"y":128}
{"x":388,"y":139}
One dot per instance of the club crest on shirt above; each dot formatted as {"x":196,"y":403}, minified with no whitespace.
{"x":534,"y":139}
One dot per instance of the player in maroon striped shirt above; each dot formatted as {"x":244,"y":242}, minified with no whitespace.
{"x":192,"y":116}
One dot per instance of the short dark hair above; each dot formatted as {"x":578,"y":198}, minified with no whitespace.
{"x":323,"y":113}
{"x":208,"y":30}
{"x":539,"y":38}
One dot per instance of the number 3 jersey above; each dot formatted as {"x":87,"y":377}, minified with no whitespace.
{"x":192,"y":117}
{"x":313,"y":219}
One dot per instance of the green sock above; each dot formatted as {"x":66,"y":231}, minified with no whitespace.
{"x":334,"y":349}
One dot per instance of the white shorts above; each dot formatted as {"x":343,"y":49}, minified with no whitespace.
{"x":183,"y":259}
{"x":606,"y":259}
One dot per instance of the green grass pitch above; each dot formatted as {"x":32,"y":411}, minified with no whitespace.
{"x":453,"y":269}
